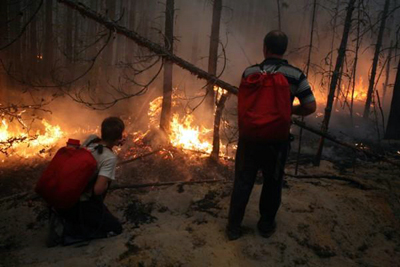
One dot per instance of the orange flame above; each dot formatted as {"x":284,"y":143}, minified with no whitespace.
{"x":26,"y":145}
{"x":184,"y":133}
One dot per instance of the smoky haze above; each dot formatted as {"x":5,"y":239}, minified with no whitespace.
{"x":243,"y":27}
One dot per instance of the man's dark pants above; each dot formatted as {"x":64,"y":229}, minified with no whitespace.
{"x":250,"y":158}
{"x":90,"y":219}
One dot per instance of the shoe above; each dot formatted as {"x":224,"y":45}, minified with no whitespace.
{"x":55,"y":229}
{"x":233,"y":233}
{"x":71,"y":240}
{"x":266,"y":229}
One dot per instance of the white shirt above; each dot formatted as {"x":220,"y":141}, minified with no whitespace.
{"x":106,"y":161}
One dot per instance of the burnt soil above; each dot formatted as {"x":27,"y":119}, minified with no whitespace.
{"x":321,"y":222}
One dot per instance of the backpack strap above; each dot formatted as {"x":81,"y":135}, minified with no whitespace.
{"x":261,"y":66}
{"x":99,"y":147}
{"x":277,"y":67}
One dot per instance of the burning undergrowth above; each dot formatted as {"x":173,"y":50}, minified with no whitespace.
{"x":173,"y":164}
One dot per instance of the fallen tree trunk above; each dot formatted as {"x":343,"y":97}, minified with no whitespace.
{"x":28,"y":196}
{"x":156,"y":48}
{"x":133,"y":186}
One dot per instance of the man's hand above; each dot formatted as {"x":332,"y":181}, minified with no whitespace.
{"x":304,"y":109}
{"x":101,"y":185}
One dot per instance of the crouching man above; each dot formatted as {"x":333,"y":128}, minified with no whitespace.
{"x":90,"y":218}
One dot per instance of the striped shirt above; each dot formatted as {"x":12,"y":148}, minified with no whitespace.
{"x":299,"y":85}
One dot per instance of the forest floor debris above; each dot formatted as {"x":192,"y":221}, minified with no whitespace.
{"x":321,"y":222}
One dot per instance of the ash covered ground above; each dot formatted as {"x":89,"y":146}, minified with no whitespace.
{"x":321,"y":221}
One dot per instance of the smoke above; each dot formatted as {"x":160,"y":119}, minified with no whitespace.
{"x":243,"y":27}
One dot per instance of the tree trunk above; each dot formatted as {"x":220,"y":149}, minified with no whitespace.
{"x":335,"y":16}
{"x":130,"y":52}
{"x":33,"y":54}
{"x":108,"y":53}
{"x":387,"y":76}
{"x":354,"y":74}
{"x":335,"y":77}
{"x":217,"y":122}
{"x":15,"y":28}
{"x":68,"y":34}
{"x":307,"y":71}
{"x":375,"y":60}
{"x":76,"y":46}
{"x":3,"y":22}
{"x":48,"y":53}
{"x":279,"y":14}
{"x":213,"y":53}
{"x":393,"y":125}
{"x":167,"y":86}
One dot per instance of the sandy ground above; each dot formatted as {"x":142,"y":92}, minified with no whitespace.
{"x":321,"y":222}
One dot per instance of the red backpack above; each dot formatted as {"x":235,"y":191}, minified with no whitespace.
{"x":66,"y":177}
{"x":264,"y":107}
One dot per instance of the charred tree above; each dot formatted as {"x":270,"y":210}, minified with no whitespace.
{"x":217,"y":123}
{"x":132,"y":25}
{"x":77,"y":27}
{"x":354,"y":71}
{"x":15,"y":27}
{"x":3,"y":22}
{"x":393,"y":125}
{"x":33,"y":46}
{"x":213,"y":53}
{"x":387,"y":76}
{"x":307,"y":71}
{"x":109,"y":52}
{"x":375,"y":60}
{"x":68,"y":33}
{"x":335,"y":78}
{"x":48,"y":53}
{"x":167,"y":86}
{"x":278,"y":3}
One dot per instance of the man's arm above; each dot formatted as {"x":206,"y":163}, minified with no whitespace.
{"x":304,"y":109}
{"x":101,"y":185}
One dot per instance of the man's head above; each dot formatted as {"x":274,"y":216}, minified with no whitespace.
{"x":112,"y":129}
{"x":275,"y":43}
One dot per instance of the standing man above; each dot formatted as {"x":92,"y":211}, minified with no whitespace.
{"x":266,"y":94}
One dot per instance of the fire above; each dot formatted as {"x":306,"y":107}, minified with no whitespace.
{"x":184,"y":133}
{"x":359,"y":97}
{"x":17,"y":141}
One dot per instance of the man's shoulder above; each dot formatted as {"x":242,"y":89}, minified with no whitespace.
{"x":294,"y":69}
{"x":251,"y":69}
{"x":89,"y":139}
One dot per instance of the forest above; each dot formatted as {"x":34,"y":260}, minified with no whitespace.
{"x":171,"y":70}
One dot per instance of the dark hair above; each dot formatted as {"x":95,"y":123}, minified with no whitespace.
{"x":112,"y":129}
{"x":276,"y":42}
